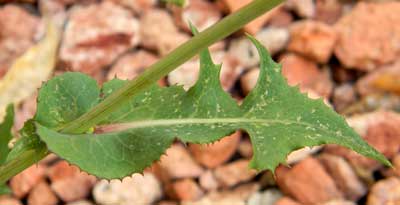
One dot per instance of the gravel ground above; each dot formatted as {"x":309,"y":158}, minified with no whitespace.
{"x":347,"y":52}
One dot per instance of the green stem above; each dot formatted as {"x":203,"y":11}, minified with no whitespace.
{"x":177,"y":57}
{"x":220,"y":30}
{"x":20,"y":163}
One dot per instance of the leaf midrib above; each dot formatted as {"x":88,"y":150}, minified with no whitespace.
{"x":186,"y":121}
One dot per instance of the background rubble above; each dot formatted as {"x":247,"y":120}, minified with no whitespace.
{"x":347,"y":52}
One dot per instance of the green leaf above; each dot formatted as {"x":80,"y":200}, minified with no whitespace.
{"x":65,"y":98}
{"x":4,"y":189}
{"x":5,"y":137}
{"x":278,"y":118}
{"x":113,"y":155}
{"x":28,"y":150}
{"x":152,"y":120}
{"x":29,"y":141}
{"x":5,"y":133}
{"x":290,"y":120}
{"x":180,"y":3}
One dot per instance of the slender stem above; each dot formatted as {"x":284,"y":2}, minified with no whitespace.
{"x":177,"y":57}
{"x":20,"y":163}
{"x":222,"y":29}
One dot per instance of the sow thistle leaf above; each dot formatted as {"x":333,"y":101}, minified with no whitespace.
{"x":4,"y":189}
{"x":65,"y":98}
{"x":150,"y":122}
{"x":30,"y":145}
{"x":180,"y":3}
{"x":290,"y":120}
{"x":29,"y":142}
{"x":5,"y":137}
{"x":5,"y":133}
{"x":278,"y":118}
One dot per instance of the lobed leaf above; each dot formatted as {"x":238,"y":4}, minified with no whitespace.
{"x":291,"y":120}
{"x":65,"y":98}
{"x":278,"y":118}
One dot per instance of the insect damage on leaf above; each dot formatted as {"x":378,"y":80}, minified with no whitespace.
{"x":65,"y":98}
{"x":278,"y":118}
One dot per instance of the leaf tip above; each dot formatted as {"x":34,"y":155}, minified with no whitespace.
{"x":381,"y":158}
{"x":193,"y":28}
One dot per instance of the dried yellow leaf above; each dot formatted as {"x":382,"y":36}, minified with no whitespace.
{"x":29,"y":71}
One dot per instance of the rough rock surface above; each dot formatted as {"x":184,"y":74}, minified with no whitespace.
{"x":17,"y":33}
{"x":8,"y":200}
{"x":303,"y":8}
{"x":178,"y":163}
{"x":64,"y":176}
{"x":286,"y":201}
{"x":42,"y":195}
{"x":236,"y":196}
{"x":343,"y":96}
{"x":188,"y":72}
{"x":141,"y":189}
{"x":185,"y":190}
{"x":385,"y":137}
{"x":137,"y":6}
{"x":92,"y":42}
{"x":386,"y":191}
{"x":299,"y":70}
{"x":345,"y":178}
{"x":254,"y":26}
{"x":217,"y":153}
{"x":208,"y":181}
{"x":274,"y":39}
{"x":328,"y":11}
{"x":383,"y":79}
{"x":24,"y":182}
{"x":268,"y":197}
{"x":234,"y":173}
{"x":312,"y":39}
{"x":317,"y":41}
{"x":366,"y":47}
{"x":281,"y":18}
{"x":158,"y":32}
{"x":308,"y":182}
{"x":131,"y":65}
{"x":339,"y":202}
{"x":200,"y":13}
